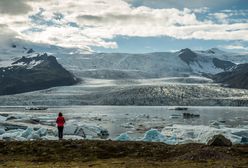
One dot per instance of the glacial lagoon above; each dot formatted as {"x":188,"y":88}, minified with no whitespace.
{"x":135,"y":121}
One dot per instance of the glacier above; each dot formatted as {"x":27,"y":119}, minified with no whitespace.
{"x":159,"y":78}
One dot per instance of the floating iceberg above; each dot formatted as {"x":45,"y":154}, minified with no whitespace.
{"x":27,"y":132}
{"x":123,"y":137}
{"x":202,"y":134}
{"x":70,"y":129}
{"x":2,"y":118}
{"x":86,"y":131}
{"x":33,"y":136}
{"x":2,"y":131}
{"x":49,"y":137}
{"x":128,"y":125}
{"x":171,"y":140}
{"x":22,"y":135}
{"x":41,"y":132}
{"x":9,"y":136}
{"x":92,"y":131}
{"x":174,"y":116}
{"x":153,"y":135}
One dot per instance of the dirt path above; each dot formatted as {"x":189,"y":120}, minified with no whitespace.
{"x":118,"y":154}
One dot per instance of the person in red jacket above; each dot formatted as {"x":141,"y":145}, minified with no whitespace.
{"x":60,"y":124}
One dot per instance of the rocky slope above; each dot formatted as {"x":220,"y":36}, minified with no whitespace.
{"x":236,"y":78}
{"x":200,"y":64}
{"x":34,"y":73}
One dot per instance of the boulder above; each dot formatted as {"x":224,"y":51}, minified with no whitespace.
{"x":219,"y":140}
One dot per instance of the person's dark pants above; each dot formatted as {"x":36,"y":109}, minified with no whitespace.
{"x":60,"y":130}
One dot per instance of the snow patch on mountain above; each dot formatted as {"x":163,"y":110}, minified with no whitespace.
{"x":29,"y":65}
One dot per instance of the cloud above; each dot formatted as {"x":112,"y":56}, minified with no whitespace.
{"x":180,"y":4}
{"x":229,"y":16}
{"x":6,"y":36}
{"x":14,"y":7}
{"x":221,"y":17}
{"x":88,"y":23}
{"x":235,"y":47}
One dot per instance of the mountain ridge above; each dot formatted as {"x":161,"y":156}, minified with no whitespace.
{"x":236,"y":78}
{"x":35,"y":73}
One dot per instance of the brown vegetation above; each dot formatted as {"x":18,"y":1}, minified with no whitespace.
{"x":119,"y":154}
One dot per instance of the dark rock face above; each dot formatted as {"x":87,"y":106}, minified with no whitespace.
{"x":210,"y":52}
{"x":187,"y":55}
{"x":244,"y":140}
{"x":237,"y":78}
{"x":226,"y":65}
{"x":30,"y":51}
{"x":219,"y":140}
{"x":36,"y":73}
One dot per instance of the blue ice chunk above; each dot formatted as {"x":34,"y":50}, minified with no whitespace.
{"x":27,"y":132}
{"x":2,"y":118}
{"x":123,"y":137}
{"x":153,"y":135}
{"x":33,"y":136}
{"x":41,"y":132}
{"x":2,"y":131}
{"x":171,"y":140}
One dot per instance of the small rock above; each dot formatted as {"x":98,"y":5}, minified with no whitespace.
{"x":219,"y":140}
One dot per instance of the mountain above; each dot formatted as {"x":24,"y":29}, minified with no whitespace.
{"x":149,"y":65}
{"x":204,"y":64}
{"x":185,"y":62}
{"x":235,"y":78}
{"x":188,"y":56}
{"x":236,"y":58}
{"x":159,"y":78}
{"x":34,"y":73}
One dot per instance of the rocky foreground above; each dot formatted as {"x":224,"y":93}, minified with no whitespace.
{"x":118,"y":154}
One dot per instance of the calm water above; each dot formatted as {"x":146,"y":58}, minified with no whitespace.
{"x":136,"y":119}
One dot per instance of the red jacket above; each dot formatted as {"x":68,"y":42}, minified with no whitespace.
{"x":60,"y":121}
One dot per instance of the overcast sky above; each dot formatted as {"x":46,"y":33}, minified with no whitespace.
{"x":128,"y":25}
